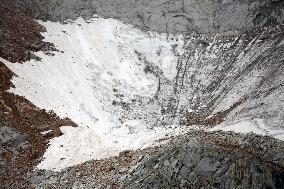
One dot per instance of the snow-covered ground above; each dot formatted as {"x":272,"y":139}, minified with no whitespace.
{"x":256,"y":126}
{"x":97,"y":61}
{"x":101,"y":68}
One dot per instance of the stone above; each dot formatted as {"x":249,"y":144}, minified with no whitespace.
{"x":206,"y":167}
{"x":184,"y":172}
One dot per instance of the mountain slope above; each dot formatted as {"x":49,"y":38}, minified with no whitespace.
{"x":126,"y":88}
{"x":153,"y":94}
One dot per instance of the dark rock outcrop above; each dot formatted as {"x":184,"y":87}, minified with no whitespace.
{"x":194,"y":160}
{"x":167,"y":15}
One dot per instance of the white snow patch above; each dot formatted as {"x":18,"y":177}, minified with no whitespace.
{"x":96,"y":56}
{"x":256,"y":126}
{"x":46,"y":132}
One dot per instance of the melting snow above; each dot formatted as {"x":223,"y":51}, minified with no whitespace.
{"x":96,"y":58}
{"x":97,"y":61}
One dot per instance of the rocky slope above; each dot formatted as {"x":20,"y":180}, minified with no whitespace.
{"x":225,"y":72}
{"x":21,"y":140}
{"x":166,"y":15}
{"x":21,"y":123}
{"x":177,"y":16}
{"x":194,"y":160}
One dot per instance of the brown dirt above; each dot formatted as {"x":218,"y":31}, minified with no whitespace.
{"x":19,"y":34}
{"x":18,"y":113}
{"x":19,"y":37}
{"x":210,"y":121}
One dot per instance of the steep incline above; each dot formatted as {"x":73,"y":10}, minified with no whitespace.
{"x":153,"y":76}
{"x":23,"y":126}
{"x":168,"y":16}
{"x":194,"y":160}
{"x":97,"y":79}
{"x":127,"y":88}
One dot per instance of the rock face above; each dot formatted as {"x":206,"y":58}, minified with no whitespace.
{"x":214,"y":67}
{"x":172,"y":15}
{"x":228,"y":75}
{"x":233,"y":74}
{"x":195,"y":160}
{"x":209,"y":161}
{"x":11,"y":144}
{"x":21,"y":140}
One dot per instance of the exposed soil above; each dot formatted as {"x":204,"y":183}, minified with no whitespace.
{"x":19,"y":34}
{"x":18,"y":113}
{"x":209,"y":121}
{"x":19,"y":38}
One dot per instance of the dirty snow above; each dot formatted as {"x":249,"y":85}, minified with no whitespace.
{"x":100,"y":62}
{"x":96,"y":58}
{"x":256,"y":126}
